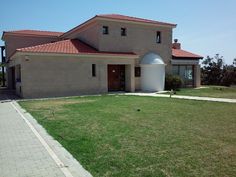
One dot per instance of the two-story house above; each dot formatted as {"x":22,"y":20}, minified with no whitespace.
{"x":106,"y":53}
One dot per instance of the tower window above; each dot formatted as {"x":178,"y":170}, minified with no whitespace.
{"x":158,"y":37}
{"x":105,"y":30}
{"x":94,"y":70}
{"x":123,"y":32}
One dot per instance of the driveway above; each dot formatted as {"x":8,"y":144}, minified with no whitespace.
{"x":26,"y":150}
{"x":21,"y":153}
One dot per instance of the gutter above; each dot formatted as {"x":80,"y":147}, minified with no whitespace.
{"x":89,"y":55}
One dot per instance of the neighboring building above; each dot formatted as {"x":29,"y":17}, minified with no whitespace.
{"x":105,"y":53}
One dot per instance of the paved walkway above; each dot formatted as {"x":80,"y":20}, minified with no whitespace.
{"x":225,"y":100}
{"x":27,"y":151}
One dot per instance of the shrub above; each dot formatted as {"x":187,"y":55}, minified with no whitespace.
{"x":173,"y":82}
{"x":228,"y":78}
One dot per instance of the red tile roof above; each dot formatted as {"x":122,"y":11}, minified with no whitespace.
{"x":117,"y":17}
{"x":134,"y":19}
{"x":178,"y":53}
{"x":35,"y":32}
{"x":70,"y":46}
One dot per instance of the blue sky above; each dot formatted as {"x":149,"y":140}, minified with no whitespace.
{"x":204,"y":27}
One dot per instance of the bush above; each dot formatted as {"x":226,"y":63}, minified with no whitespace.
{"x":228,"y":78}
{"x":173,"y":82}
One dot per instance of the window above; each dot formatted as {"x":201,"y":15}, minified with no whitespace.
{"x":18,"y":73}
{"x":105,"y":30}
{"x":158,"y":37}
{"x":186,"y":73}
{"x":94,"y":70}
{"x":123,"y":31}
{"x":137,"y":71}
{"x":189,"y":72}
{"x":175,"y":70}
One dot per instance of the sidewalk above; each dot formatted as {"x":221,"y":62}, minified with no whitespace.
{"x":26,"y":150}
{"x":225,"y":100}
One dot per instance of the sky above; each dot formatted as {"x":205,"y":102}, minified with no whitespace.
{"x":204,"y":27}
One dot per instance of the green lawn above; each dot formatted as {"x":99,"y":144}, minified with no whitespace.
{"x":131,"y":136}
{"x":209,"y":91}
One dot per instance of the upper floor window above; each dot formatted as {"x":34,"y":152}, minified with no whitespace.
{"x":105,"y":30}
{"x":94,"y":70}
{"x":123,"y":32}
{"x":158,"y":37}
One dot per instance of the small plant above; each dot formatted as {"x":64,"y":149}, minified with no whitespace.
{"x":173,"y":82}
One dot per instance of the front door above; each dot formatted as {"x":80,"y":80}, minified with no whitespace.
{"x":116,"y":77}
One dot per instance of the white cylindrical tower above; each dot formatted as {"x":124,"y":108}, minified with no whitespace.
{"x":152,"y":73}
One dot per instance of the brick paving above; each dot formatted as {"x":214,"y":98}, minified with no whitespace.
{"x":21,"y":153}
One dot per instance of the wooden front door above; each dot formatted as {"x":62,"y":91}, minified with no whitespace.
{"x":116,"y":77}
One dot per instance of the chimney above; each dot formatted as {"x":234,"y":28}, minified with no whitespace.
{"x":176,"y":45}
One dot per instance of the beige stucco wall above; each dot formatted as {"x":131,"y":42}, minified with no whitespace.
{"x":48,"y":76}
{"x":140,"y":39}
{"x":14,"y":42}
{"x":88,"y":34}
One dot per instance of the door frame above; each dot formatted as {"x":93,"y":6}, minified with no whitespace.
{"x":122,"y":74}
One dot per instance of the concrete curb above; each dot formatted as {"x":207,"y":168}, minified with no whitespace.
{"x":74,"y":167}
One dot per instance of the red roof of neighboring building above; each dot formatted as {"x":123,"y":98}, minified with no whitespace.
{"x":70,"y":46}
{"x":35,"y":32}
{"x":134,"y":19}
{"x":179,"y":53}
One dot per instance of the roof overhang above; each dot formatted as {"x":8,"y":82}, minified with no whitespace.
{"x":183,"y":61}
{"x":101,"y":18}
{"x":135,"y":22}
{"x":86,"y":55}
{"x":86,"y":23}
{"x":183,"y":54}
{"x":6,"y":33}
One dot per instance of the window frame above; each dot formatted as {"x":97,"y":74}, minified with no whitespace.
{"x":158,"y":37}
{"x":105,"y":30}
{"x":182,"y":73}
{"x":94,"y":73}
{"x":123,"y":31}
{"x":137,"y":71}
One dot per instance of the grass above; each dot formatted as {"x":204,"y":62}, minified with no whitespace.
{"x":209,"y":91}
{"x":143,"y":136}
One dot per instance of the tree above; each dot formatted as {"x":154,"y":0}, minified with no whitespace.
{"x":234,"y":62}
{"x":229,"y":75}
{"x":215,"y":72}
{"x":212,"y":70}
